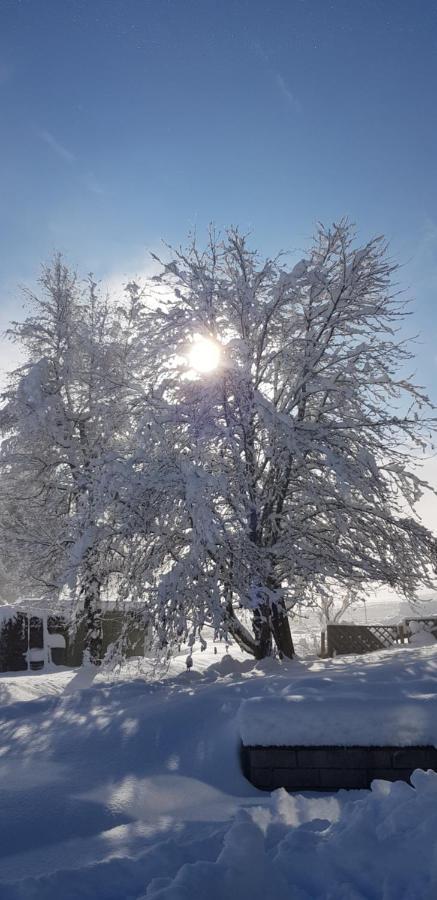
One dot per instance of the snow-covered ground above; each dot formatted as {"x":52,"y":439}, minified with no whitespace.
{"x":376,"y":700}
{"x":133,"y":789}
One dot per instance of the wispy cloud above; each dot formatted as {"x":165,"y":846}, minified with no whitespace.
{"x":92,"y":184}
{"x":286,"y":92}
{"x":87,"y":179}
{"x":277,"y":76}
{"x":56,"y":146}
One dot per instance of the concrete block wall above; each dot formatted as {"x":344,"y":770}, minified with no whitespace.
{"x":332,"y":768}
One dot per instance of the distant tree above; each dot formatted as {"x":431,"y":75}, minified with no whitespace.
{"x":292,"y":463}
{"x":331,"y":603}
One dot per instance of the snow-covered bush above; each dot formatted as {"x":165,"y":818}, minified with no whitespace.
{"x":422,"y":634}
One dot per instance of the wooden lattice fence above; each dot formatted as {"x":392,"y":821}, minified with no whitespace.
{"x":361,"y":638}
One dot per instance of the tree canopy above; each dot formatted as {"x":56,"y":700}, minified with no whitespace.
{"x":225,"y":492}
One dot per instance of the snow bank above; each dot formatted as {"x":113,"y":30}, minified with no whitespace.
{"x":300,"y":720}
{"x":134,"y":789}
{"x":382,"y":848}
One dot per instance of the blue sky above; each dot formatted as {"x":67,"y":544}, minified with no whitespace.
{"x":128,"y":121}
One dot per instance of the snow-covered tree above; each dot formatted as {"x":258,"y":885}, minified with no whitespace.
{"x":228,"y":445}
{"x":276,"y":454}
{"x":66,"y":413}
{"x":331,"y":604}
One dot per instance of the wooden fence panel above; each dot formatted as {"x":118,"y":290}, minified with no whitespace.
{"x":361,"y":638}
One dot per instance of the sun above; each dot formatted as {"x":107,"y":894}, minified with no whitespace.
{"x":204,"y":354}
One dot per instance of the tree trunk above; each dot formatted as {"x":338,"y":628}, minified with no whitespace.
{"x":94,"y":634}
{"x":93,"y":619}
{"x":245,"y":640}
{"x":281,"y":630}
{"x":262,"y":629}
{"x":258,"y":644}
{"x":268,"y":624}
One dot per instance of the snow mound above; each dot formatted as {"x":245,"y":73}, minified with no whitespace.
{"x":386,"y":698}
{"x":302,"y":720}
{"x":382,"y":846}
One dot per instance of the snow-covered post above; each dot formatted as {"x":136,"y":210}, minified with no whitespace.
{"x":323,"y":644}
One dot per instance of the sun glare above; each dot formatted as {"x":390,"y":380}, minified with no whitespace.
{"x":204,"y":354}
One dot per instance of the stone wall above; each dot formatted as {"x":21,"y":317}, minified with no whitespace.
{"x":331,"y":768}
